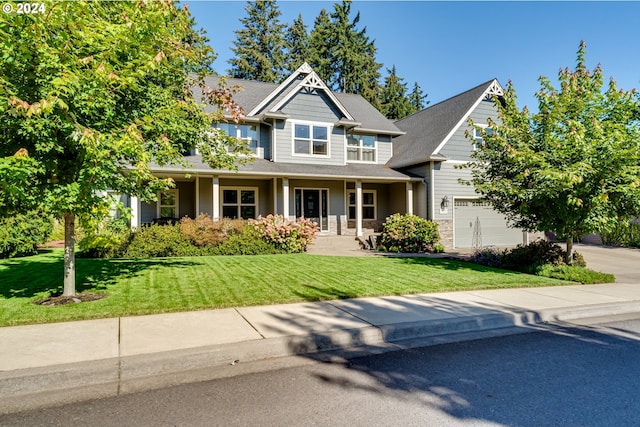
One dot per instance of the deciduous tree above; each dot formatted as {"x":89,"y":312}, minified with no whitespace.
{"x":91,"y":93}
{"x":573,"y":167}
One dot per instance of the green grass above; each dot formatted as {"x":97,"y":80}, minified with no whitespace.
{"x":576,"y":274}
{"x":145,"y":286}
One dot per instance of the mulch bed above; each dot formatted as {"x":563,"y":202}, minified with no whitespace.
{"x":64,"y":299}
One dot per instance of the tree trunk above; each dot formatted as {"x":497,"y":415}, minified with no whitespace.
{"x":69,"y":254}
{"x":568,"y":257}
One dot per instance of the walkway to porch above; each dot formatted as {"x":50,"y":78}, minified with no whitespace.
{"x":337,"y":246}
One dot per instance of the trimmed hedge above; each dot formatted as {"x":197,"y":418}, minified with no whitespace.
{"x":21,"y":234}
{"x":409,"y":233}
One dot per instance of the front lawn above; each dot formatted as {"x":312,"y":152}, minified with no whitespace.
{"x":146,"y":286}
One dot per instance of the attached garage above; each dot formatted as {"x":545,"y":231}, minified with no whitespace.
{"x":476,"y":224}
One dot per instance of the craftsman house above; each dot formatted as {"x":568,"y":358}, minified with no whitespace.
{"x":334,"y":158}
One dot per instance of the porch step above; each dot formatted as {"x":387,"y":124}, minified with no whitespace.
{"x":336,"y":246}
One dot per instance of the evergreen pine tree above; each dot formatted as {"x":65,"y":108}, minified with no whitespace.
{"x":297,"y":45}
{"x":417,"y":98}
{"x":259,"y":47}
{"x":352,"y":54}
{"x":320,"y":46}
{"x":394,"y":103}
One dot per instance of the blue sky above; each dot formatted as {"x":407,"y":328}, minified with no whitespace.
{"x":449,"y":47}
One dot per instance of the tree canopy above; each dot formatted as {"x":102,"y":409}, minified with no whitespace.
{"x":337,"y":48}
{"x":571,"y":168}
{"x":91,"y":94}
{"x":259,"y":47}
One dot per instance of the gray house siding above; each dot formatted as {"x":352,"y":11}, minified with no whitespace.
{"x":459,"y":147}
{"x":446,"y":177}
{"x":385,"y":148}
{"x":206,"y":196}
{"x":265,"y":142}
{"x":312,"y":107}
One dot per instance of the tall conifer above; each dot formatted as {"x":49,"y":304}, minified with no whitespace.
{"x":259,"y":47}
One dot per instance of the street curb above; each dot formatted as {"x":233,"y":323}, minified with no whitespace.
{"x":34,"y":388}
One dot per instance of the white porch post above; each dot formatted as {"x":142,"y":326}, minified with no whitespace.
{"x":197,"y":195}
{"x":410,"y":198}
{"x":359,"y":208}
{"x":216,"y":198}
{"x":285,"y":198}
{"x":274,"y":190}
{"x":135,"y":212}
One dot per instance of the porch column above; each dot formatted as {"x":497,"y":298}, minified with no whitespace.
{"x":359,"y":208}
{"x":197,"y":195}
{"x":216,"y":198}
{"x":135,"y":212}
{"x":410,"y":198}
{"x":274,"y":190}
{"x":285,"y":198}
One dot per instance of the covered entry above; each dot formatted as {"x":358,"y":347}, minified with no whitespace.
{"x":312,"y":203}
{"x":476,"y":224}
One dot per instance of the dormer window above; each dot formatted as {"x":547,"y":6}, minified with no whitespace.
{"x":361,"y":148}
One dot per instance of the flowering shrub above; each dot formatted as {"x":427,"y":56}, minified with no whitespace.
{"x":289,"y":236}
{"x":203,"y":231}
{"x":408,"y":233}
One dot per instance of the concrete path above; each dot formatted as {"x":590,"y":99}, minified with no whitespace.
{"x":56,"y":363}
{"x":624,"y":263}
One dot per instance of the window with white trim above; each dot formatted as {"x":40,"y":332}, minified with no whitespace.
{"x":368,"y":204}
{"x":168,"y":204}
{"x":247,"y":133}
{"x":477,"y":135}
{"x":361,"y":148}
{"x":239,"y":203}
{"x":310,"y":139}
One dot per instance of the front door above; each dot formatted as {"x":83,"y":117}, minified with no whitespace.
{"x":312,"y":204}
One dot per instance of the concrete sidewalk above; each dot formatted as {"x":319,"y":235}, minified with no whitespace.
{"x":51,"y":364}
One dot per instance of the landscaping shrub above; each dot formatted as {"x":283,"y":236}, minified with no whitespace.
{"x":408,"y":233}
{"x":527,"y":258}
{"x":157,"y":240}
{"x":21,"y":234}
{"x":489,"y":257}
{"x":110,"y":240}
{"x":284,"y":235}
{"x":248,"y":242}
{"x":625,"y":234}
{"x":575,"y":273}
{"x":203,"y":231}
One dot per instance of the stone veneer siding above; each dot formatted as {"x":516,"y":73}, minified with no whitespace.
{"x":445,"y":228}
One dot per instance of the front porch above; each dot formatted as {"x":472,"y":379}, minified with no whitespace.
{"x":339,"y":206}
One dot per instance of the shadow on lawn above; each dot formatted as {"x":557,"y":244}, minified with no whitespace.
{"x":449,"y":264}
{"x":29,"y":276}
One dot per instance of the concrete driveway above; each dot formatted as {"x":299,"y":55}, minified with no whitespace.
{"x":624,"y":263}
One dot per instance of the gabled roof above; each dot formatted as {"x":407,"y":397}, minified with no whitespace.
{"x":261,"y":100}
{"x":427,"y":131}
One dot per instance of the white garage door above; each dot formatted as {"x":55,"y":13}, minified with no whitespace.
{"x":477,"y":225}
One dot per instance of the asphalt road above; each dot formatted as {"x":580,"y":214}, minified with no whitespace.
{"x":566,"y":375}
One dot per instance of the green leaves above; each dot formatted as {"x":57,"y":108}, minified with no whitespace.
{"x":573,"y":167}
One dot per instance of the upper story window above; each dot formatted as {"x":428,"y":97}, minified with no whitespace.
{"x":311,"y":139}
{"x":361,"y":148}
{"x":477,"y":135}
{"x":248,"y":133}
